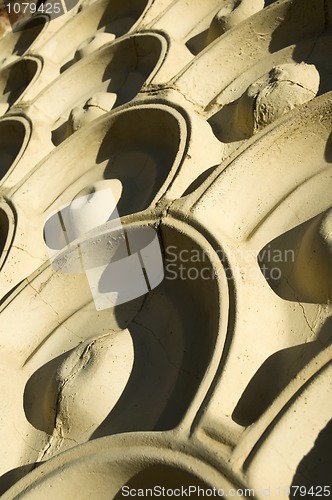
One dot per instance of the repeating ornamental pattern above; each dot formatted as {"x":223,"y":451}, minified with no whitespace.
{"x":166,"y":249}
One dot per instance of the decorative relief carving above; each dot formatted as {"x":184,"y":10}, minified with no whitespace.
{"x":165,"y":250}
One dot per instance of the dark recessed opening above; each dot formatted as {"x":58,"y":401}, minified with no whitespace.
{"x":12,"y":134}
{"x":123,"y":69}
{"x":119,"y":17}
{"x":4,"y":229}
{"x":140,"y":149}
{"x":28,"y":33}
{"x":15,"y":79}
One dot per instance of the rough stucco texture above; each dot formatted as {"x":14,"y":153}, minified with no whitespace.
{"x":166,"y":249}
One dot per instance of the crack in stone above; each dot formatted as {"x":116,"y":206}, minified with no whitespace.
{"x":61,"y":424}
{"x":52,"y":308}
{"x":27,"y":252}
{"x":303,"y":310}
{"x":26,"y":442}
{"x":306,"y":319}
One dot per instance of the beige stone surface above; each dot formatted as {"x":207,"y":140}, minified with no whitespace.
{"x":196,"y":135}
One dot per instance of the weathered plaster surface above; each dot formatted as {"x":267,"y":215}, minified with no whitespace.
{"x":211,"y":123}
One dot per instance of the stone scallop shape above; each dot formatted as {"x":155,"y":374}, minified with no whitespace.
{"x":114,"y":467}
{"x":119,"y":69}
{"x":258,"y":370}
{"x":189,"y":28}
{"x":154,"y":53}
{"x":305,"y":469}
{"x":112,"y":154}
{"x":113,"y":76}
{"x":15,"y":132}
{"x":89,"y":25}
{"x":286,"y":24}
{"x":146,"y":359}
{"x":16,"y":44}
{"x":291,"y":60}
{"x":227,"y":361}
{"x":22,"y":144}
{"x":15,"y":80}
{"x":147,"y":175}
{"x":201,"y":21}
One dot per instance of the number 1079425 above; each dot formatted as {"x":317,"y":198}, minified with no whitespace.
{"x":25,"y":10}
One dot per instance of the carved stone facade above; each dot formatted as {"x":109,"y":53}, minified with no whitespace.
{"x":207,"y":125}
